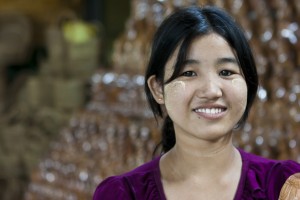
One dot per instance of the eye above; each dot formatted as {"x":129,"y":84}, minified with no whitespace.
{"x":225,"y":73}
{"x":189,"y":73}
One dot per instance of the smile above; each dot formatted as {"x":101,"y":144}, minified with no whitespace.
{"x":210,"y":113}
{"x":210,"y":110}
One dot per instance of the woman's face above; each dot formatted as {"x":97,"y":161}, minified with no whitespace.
{"x":209,"y":97}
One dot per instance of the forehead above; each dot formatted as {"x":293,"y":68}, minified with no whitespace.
{"x":210,"y":46}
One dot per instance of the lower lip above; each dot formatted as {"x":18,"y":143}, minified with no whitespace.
{"x":211,"y":116}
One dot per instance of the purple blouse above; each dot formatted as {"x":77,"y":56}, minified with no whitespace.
{"x":261,"y":178}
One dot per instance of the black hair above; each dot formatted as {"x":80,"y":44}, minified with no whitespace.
{"x":179,"y":30}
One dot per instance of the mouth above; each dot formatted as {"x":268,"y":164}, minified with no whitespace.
{"x":210,"y":110}
{"x":214,"y":112}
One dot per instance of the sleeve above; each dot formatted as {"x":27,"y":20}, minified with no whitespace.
{"x":278,"y":176}
{"x":113,"y":188}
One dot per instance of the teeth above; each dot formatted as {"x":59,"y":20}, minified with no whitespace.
{"x":209,"y":110}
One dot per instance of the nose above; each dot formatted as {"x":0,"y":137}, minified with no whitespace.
{"x":209,"y":88}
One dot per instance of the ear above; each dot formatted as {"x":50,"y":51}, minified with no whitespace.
{"x":156,"y":89}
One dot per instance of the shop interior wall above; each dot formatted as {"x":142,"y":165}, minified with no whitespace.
{"x":110,"y":15}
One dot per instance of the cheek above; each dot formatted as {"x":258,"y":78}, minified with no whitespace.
{"x":175,"y":92}
{"x":239,"y":91}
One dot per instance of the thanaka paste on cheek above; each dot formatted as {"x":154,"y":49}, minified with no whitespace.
{"x":174,"y":91}
{"x":241,"y":87}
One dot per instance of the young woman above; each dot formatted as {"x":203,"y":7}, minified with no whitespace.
{"x":202,"y":80}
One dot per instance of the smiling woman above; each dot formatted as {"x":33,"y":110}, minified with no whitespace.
{"x":208,"y":104}
{"x":202,"y":80}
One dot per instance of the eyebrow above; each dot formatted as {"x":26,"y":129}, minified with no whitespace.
{"x":227,"y":60}
{"x":191,"y":62}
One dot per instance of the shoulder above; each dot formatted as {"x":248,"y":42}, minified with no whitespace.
{"x":266,"y":176}
{"x":281,"y":172}
{"x":129,"y":185}
{"x":112,"y":188}
{"x":270,"y":168}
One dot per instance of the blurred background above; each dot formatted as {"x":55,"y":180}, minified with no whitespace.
{"x":72,"y":106}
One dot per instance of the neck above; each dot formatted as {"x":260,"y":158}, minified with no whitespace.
{"x":184,"y":161}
